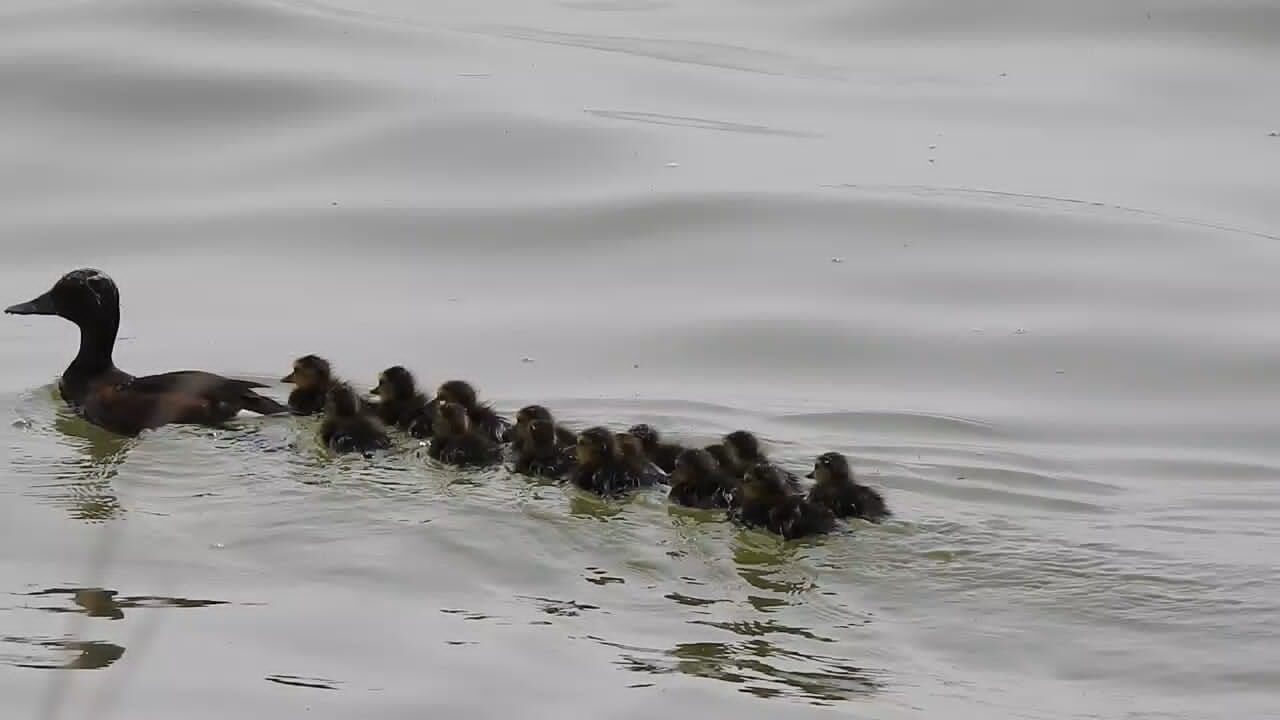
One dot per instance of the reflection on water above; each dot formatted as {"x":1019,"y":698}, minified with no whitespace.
{"x":303,"y":682}
{"x":760,"y":667}
{"x":79,"y":483}
{"x":49,"y":654}
{"x":103,"y":603}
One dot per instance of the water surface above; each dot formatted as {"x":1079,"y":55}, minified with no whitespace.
{"x":1017,"y":260}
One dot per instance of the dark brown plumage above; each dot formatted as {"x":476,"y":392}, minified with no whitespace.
{"x":108,"y":397}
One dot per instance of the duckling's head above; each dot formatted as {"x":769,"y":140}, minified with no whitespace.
{"x":693,"y":466}
{"x":764,"y":483}
{"x":451,"y":420}
{"x":831,"y":467}
{"x":87,"y":297}
{"x":530,"y":413}
{"x":460,"y":392}
{"x":631,"y":450}
{"x":541,"y":434}
{"x":647,"y":434}
{"x":309,"y":372}
{"x":341,"y":401}
{"x":718,"y":453}
{"x":743,"y":448}
{"x":395,"y":383}
{"x":596,"y":447}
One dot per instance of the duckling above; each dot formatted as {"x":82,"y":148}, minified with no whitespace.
{"x":721,"y":455}
{"x":312,"y":377}
{"x":637,"y":462}
{"x":346,"y":427}
{"x":564,"y":437}
{"x":484,"y":418}
{"x":662,"y":454}
{"x":698,"y":482}
{"x":837,"y":490}
{"x":538,"y":450}
{"x":743,"y":451}
{"x":600,"y":467}
{"x":400,"y":404}
{"x":768,"y":502}
{"x":456,"y":442}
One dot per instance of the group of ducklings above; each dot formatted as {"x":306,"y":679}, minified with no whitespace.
{"x":734,"y":474}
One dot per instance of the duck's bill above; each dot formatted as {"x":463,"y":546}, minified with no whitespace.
{"x":42,"y":305}
{"x":810,"y":475}
{"x":290,"y":378}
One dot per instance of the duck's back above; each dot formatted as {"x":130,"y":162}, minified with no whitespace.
{"x":128,"y":405}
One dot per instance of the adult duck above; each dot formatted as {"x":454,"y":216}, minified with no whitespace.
{"x":111,"y":398}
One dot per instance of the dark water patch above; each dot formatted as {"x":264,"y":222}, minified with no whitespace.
{"x":763,"y":628}
{"x":757,"y":667}
{"x":304,"y":682}
{"x":104,"y":603}
{"x":691,"y":601}
{"x":58,"y":654}
{"x":562,"y":608}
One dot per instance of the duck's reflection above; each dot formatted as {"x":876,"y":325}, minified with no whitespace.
{"x":84,"y":482}
{"x":759,"y":667}
{"x":103,"y":603}
{"x":89,"y":654}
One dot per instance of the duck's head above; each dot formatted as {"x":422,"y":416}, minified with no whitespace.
{"x":718,"y":453}
{"x":692,"y":467}
{"x":742,"y":447}
{"x":395,"y":383}
{"x":630,"y":449}
{"x":831,"y":467}
{"x":764,"y":483}
{"x":86,"y":297}
{"x":647,"y":434}
{"x":541,"y":434}
{"x":341,"y":401}
{"x":596,"y":447}
{"x":460,"y":392}
{"x":451,"y":420}
{"x":309,"y":372}
{"x":531,"y":413}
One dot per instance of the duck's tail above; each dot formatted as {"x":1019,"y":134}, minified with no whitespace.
{"x":253,"y":402}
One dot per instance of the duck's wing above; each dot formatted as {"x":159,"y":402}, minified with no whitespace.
{"x":221,"y":398}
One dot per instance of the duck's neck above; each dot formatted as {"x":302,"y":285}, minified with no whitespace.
{"x":96,"y":344}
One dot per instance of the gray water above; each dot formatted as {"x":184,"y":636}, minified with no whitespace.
{"x":1017,"y":259}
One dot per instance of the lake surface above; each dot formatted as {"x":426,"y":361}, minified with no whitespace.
{"x":1019,"y":260}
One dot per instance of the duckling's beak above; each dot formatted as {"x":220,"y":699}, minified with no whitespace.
{"x":290,"y":378}
{"x":376,"y":392}
{"x":812,"y":474}
{"x":42,"y":305}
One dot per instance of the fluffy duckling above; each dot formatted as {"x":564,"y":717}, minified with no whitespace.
{"x":662,"y":454}
{"x":698,"y":482}
{"x":455,"y":441}
{"x":399,"y":402}
{"x":346,"y":427}
{"x":721,"y":455}
{"x":768,"y":502}
{"x":837,"y":490}
{"x":539,"y":452}
{"x":600,"y":466}
{"x":743,"y":451}
{"x":637,"y":462}
{"x":484,"y":419}
{"x":311,"y":377}
{"x":564,"y":437}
